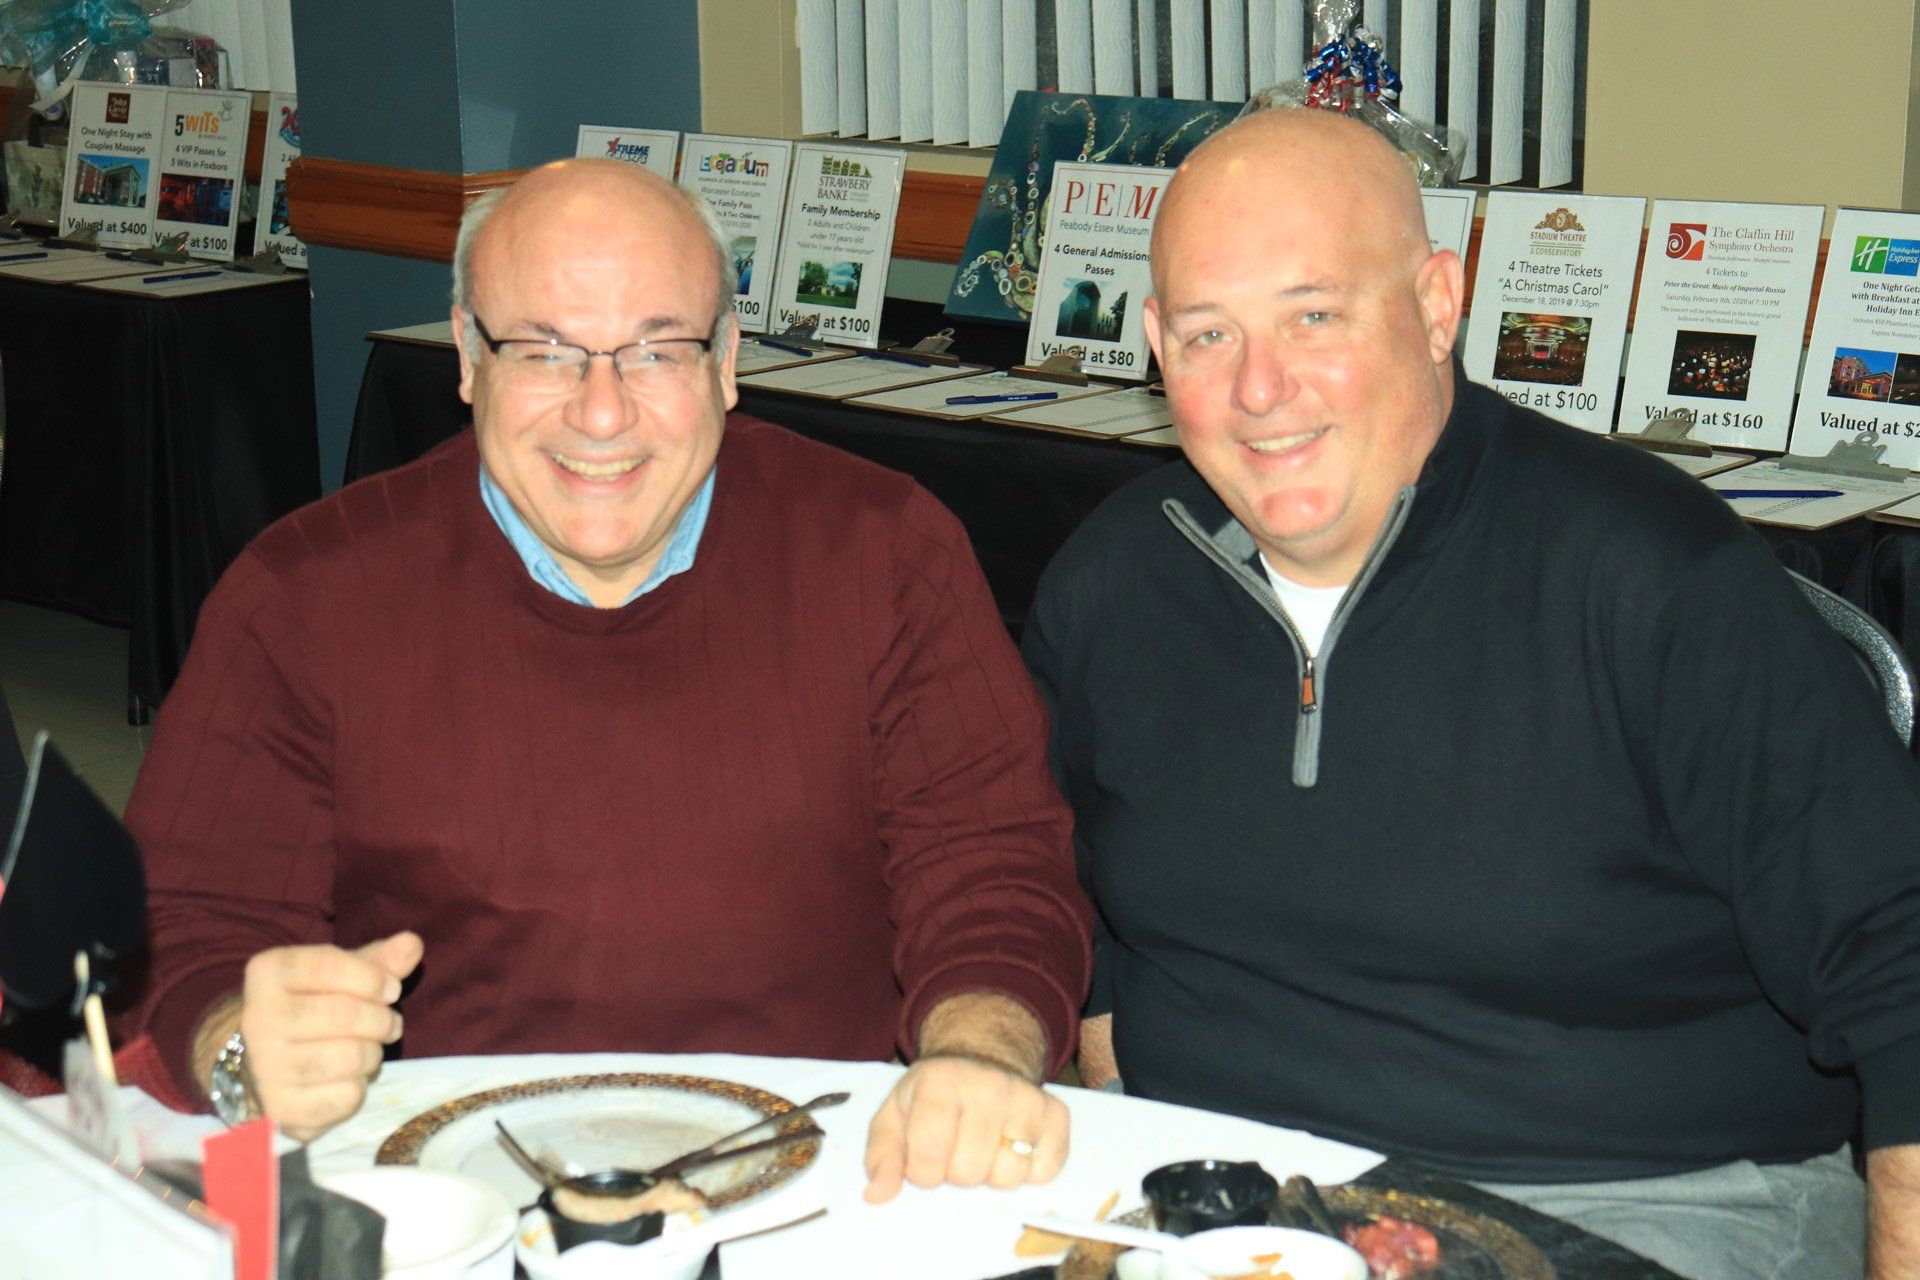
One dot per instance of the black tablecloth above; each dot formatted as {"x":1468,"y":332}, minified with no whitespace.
{"x":148,"y":440}
{"x":1020,"y":492}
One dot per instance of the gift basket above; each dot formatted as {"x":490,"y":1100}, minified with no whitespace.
{"x":61,"y":42}
{"x":1349,"y":73}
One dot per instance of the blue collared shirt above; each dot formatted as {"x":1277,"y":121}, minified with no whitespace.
{"x":676,"y":558}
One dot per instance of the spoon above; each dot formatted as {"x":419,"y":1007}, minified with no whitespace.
{"x":552,"y":1172}
{"x":1105,"y":1232}
{"x":698,"y":1156}
{"x":549,"y":1173}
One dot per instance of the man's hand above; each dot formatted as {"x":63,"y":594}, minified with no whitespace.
{"x":1893,"y":1213}
{"x":971,"y":1109}
{"x":316,"y":1020}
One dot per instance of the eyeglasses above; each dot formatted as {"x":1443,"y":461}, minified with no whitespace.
{"x":549,"y":364}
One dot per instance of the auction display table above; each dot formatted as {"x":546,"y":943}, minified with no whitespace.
{"x":1019,"y":492}
{"x":148,"y":439}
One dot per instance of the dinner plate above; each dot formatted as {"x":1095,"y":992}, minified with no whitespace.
{"x":1473,"y":1246}
{"x":632,"y":1120}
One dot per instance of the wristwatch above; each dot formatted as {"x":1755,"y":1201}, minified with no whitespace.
{"x":229,"y":1085}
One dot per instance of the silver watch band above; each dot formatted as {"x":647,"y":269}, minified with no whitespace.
{"x":230,"y":1085}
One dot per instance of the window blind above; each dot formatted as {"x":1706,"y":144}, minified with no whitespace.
{"x":1501,"y":78}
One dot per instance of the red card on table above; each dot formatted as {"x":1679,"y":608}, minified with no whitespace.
{"x":242,"y":1187}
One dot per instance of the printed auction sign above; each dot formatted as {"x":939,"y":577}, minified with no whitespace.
{"x":1723,"y":307}
{"x":1863,"y":363}
{"x":652,"y":149}
{"x":744,"y":182}
{"x":1449,"y":218}
{"x":270,"y":226}
{"x":113,"y":154}
{"x":1550,"y":301}
{"x":838,"y":242}
{"x":203,"y":157}
{"x":1094,"y":275}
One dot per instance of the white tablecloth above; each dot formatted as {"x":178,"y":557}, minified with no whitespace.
{"x":946,"y":1233}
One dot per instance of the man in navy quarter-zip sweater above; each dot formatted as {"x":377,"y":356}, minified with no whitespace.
{"x":1455,"y":783}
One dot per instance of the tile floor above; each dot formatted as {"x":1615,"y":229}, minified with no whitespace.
{"x":69,"y":676}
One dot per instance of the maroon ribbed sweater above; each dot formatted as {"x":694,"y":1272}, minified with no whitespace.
{"x":781,"y":804}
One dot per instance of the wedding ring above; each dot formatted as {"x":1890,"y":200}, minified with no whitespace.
{"x":1019,"y":1146}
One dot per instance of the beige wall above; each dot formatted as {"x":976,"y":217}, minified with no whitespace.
{"x":1709,"y":99}
{"x":1752,"y":100}
{"x":749,"y":68}
{"x":750,"y":79}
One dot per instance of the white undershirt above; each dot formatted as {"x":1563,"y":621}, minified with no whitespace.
{"x":1309,"y":608}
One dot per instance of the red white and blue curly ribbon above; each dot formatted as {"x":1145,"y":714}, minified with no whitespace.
{"x":1349,"y":68}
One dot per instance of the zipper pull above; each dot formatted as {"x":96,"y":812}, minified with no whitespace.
{"x":1308,"y":700}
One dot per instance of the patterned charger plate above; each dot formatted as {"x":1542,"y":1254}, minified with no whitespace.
{"x":632,"y":1120}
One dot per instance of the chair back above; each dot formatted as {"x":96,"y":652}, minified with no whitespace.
{"x":1876,"y":649}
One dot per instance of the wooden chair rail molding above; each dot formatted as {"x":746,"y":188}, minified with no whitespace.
{"x":415,"y":213}
{"x":405,"y":213}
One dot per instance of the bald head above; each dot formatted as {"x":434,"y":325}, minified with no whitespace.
{"x":1315,"y":163}
{"x":1305,"y":332}
{"x":584,"y":201}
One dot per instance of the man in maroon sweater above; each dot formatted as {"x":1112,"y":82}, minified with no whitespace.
{"x":615,"y":724}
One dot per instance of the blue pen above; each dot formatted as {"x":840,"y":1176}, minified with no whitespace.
{"x":1027,"y":395}
{"x":1731,"y":494}
{"x":897,"y":358}
{"x":778,"y":345}
{"x":22,"y":257}
{"x":178,"y":275}
{"x":132,"y":257}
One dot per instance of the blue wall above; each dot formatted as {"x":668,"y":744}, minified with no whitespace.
{"x":531,"y":74}
{"x":462,"y":86}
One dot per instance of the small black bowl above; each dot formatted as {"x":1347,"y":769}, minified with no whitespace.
{"x":568,"y":1232}
{"x":1199,"y":1195}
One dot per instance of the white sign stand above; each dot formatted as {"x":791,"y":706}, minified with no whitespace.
{"x":838,"y":243}
{"x":744,"y":182}
{"x":1723,"y":308}
{"x":1094,"y":276}
{"x":270,"y":227}
{"x":1550,"y":301}
{"x":113,"y":163}
{"x":89,"y":1218}
{"x":654,"y":150}
{"x":203,"y":158}
{"x":1863,"y":362}
{"x":1449,"y":218}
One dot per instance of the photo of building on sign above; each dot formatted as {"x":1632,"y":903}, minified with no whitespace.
{"x":1541,"y":348}
{"x":835,"y":286}
{"x":110,"y":180}
{"x":1082,"y":315}
{"x":1859,"y":374}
